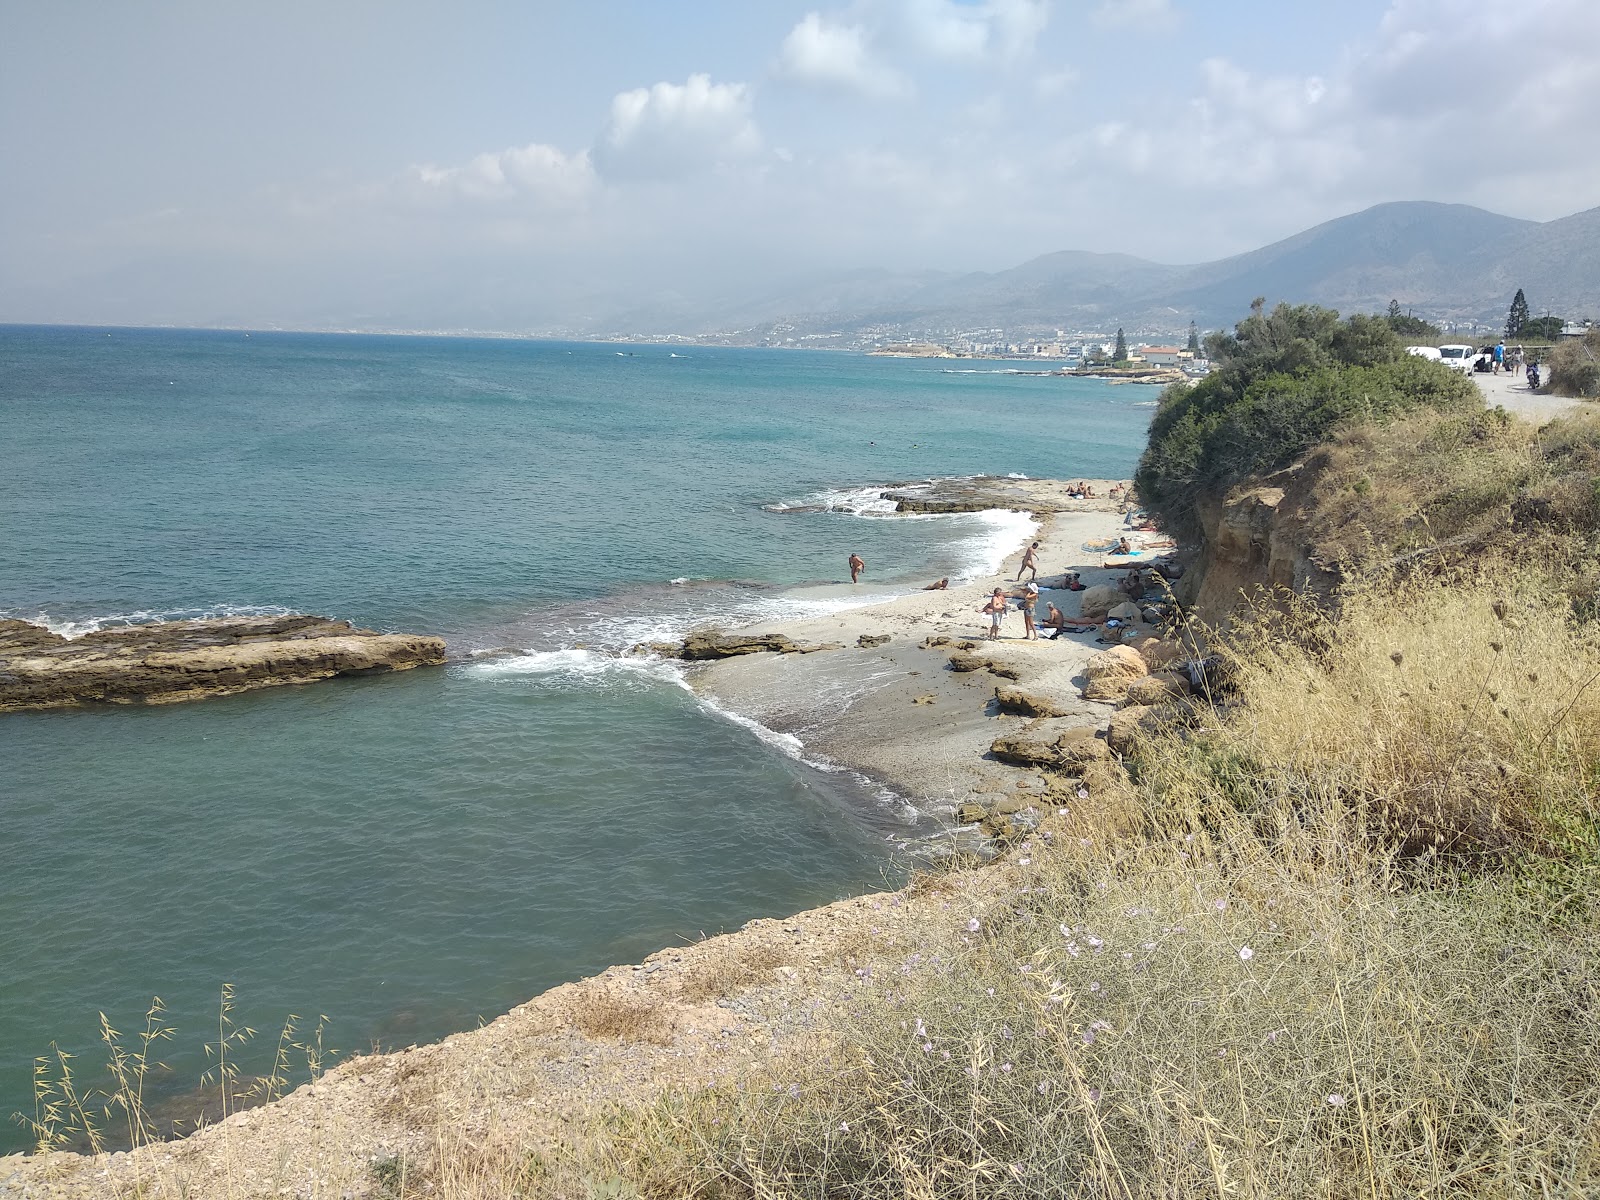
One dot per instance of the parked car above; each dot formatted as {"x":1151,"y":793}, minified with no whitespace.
{"x":1459,"y":357}
{"x":1428,"y":352}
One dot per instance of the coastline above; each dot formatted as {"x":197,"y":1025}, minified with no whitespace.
{"x":894,"y":711}
{"x":729,"y":1007}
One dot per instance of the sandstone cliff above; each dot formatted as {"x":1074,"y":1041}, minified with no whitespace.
{"x":1256,"y":542}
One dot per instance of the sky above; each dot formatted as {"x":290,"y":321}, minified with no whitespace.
{"x":528,"y":166}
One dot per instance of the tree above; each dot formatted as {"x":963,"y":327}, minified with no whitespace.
{"x":1121,"y":352}
{"x":1194,"y":338}
{"x":1536,"y":329}
{"x":1517,"y":318}
{"x":1394,"y":311}
{"x":1408,"y":326}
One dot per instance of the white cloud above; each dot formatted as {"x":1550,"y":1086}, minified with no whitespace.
{"x":995,"y":29}
{"x":829,"y":53}
{"x":1416,"y":110}
{"x":676,"y":129}
{"x":1053,"y":83}
{"x":536,"y":172}
{"x":1150,"y":15}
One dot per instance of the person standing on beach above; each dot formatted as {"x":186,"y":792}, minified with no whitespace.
{"x":996,"y":609}
{"x":857,"y":565}
{"x":1030,"y":561}
{"x":1030,"y":598}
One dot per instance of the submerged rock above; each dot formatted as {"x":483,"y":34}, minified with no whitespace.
{"x":171,"y":661}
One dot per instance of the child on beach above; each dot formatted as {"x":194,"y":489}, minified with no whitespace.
{"x":996,"y":610}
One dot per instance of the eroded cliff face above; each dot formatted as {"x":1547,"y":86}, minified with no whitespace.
{"x":1255,"y":549}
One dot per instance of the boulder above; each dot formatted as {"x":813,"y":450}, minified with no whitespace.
{"x":868,"y":640}
{"x":970,"y":813}
{"x":1119,"y":662}
{"x":1159,"y":652}
{"x":1159,"y":687}
{"x":1008,"y":806}
{"x":713,"y":644}
{"x":1126,"y":611}
{"x":1079,"y":749}
{"x":1095,"y":602}
{"x":1021,"y":749}
{"x":170,"y":661}
{"x":1113,"y":689}
{"x":1011,"y":700}
{"x":971,"y":662}
{"x":1128,"y":726}
{"x":1051,"y":745}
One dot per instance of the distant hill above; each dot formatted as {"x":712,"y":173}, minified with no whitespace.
{"x":1413,"y":252}
{"x":1444,"y":261}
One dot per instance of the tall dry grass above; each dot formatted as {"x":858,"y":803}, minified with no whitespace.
{"x":1355,"y":952}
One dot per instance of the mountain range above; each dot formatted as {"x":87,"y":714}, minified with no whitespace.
{"x":1445,"y":262}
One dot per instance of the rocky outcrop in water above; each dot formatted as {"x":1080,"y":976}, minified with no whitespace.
{"x":712,"y":644}
{"x":190,"y":660}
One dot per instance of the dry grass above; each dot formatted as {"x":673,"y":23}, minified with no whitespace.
{"x":605,"y":1016}
{"x":722,"y":972}
{"x":1448,"y":487}
{"x":1288,"y":985}
{"x":1457,"y":714}
{"x":1575,"y":366}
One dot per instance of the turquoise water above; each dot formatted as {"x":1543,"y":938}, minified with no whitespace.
{"x":411,"y":854}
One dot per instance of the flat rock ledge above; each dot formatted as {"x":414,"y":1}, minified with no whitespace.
{"x":713,"y":644}
{"x":172,"y":661}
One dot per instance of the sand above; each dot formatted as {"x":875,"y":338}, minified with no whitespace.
{"x":896,"y":712}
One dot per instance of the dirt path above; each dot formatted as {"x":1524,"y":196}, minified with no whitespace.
{"x":1512,"y":393}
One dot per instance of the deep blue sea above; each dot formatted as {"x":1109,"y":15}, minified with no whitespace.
{"x":412,"y":854}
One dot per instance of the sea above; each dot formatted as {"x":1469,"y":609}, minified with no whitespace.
{"x":400,"y":857}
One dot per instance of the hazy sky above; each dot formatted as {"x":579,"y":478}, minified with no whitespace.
{"x":513,"y":165}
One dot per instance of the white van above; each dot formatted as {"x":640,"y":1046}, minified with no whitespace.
{"x":1427,"y":352}
{"x":1459,"y":357}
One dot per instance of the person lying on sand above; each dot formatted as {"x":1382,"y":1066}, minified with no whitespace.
{"x":938,"y":585}
{"x":1057,"y":620}
{"x":996,"y":610}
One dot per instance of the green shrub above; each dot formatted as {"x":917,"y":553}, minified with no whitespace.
{"x":1283,"y":382}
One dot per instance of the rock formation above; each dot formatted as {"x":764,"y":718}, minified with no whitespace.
{"x":712,"y":644}
{"x":189,"y":660}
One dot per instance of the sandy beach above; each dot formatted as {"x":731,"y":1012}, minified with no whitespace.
{"x":896,"y":711}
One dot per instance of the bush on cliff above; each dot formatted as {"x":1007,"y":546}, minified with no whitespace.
{"x":1282,"y":381}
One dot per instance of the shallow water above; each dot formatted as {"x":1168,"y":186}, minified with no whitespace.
{"x":411,"y":854}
